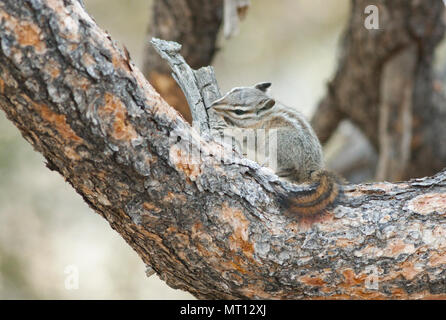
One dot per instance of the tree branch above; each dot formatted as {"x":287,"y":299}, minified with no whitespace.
{"x":390,"y":71}
{"x":203,"y":219}
{"x":194,"y":24}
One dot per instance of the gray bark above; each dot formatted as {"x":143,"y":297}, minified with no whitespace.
{"x":205,"y":223}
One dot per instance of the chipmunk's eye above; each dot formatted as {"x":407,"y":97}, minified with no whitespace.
{"x":238,"y":112}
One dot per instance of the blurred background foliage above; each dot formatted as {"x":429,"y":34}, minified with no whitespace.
{"x":45,"y":226}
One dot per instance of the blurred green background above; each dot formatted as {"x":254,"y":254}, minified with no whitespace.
{"x":45,"y":226}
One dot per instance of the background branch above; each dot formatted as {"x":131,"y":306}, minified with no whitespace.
{"x":385,"y":85}
{"x":194,"y":24}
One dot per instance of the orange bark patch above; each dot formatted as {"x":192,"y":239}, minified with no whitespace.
{"x":185,"y":162}
{"x":237,"y":265}
{"x":313,"y":281}
{"x":238,"y":240}
{"x":437,"y":259}
{"x":355,"y":285}
{"x":352,"y":279}
{"x":60,"y":123}
{"x":2,"y":86}
{"x":241,"y":250}
{"x":28,"y":34}
{"x":76,"y":80}
{"x":399,"y":293}
{"x":199,"y":233}
{"x":397,"y":247}
{"x":409,"y":270}
{"x":115,"y":111}
{"x":429,"y":203}
{"x":120,"y":62}
{"x":57,"y":121}
{"x":52,"y":68}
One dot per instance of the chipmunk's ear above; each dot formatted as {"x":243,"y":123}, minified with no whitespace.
{"x":263,"y":86}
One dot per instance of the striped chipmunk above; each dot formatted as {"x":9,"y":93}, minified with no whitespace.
{"x":298,"y":152}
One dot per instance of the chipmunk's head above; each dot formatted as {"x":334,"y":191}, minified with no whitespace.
{"x":244,"y":107}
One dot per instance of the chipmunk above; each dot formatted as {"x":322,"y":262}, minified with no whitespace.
{"x":299,"y":152}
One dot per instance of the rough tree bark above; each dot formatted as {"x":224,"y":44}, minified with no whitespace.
{"x":385,"y":85}
{"x":194,"y":24}
{"x":210,"y":226}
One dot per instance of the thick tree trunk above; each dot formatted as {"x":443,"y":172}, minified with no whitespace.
{"x":385,"y":85}
{"x":194,"y":24}
{"x":208,"y":225}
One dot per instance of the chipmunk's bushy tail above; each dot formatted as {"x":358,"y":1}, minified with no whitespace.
{"x":311,"y":203}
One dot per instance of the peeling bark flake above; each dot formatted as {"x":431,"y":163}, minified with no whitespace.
{"x":115,"y":112}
